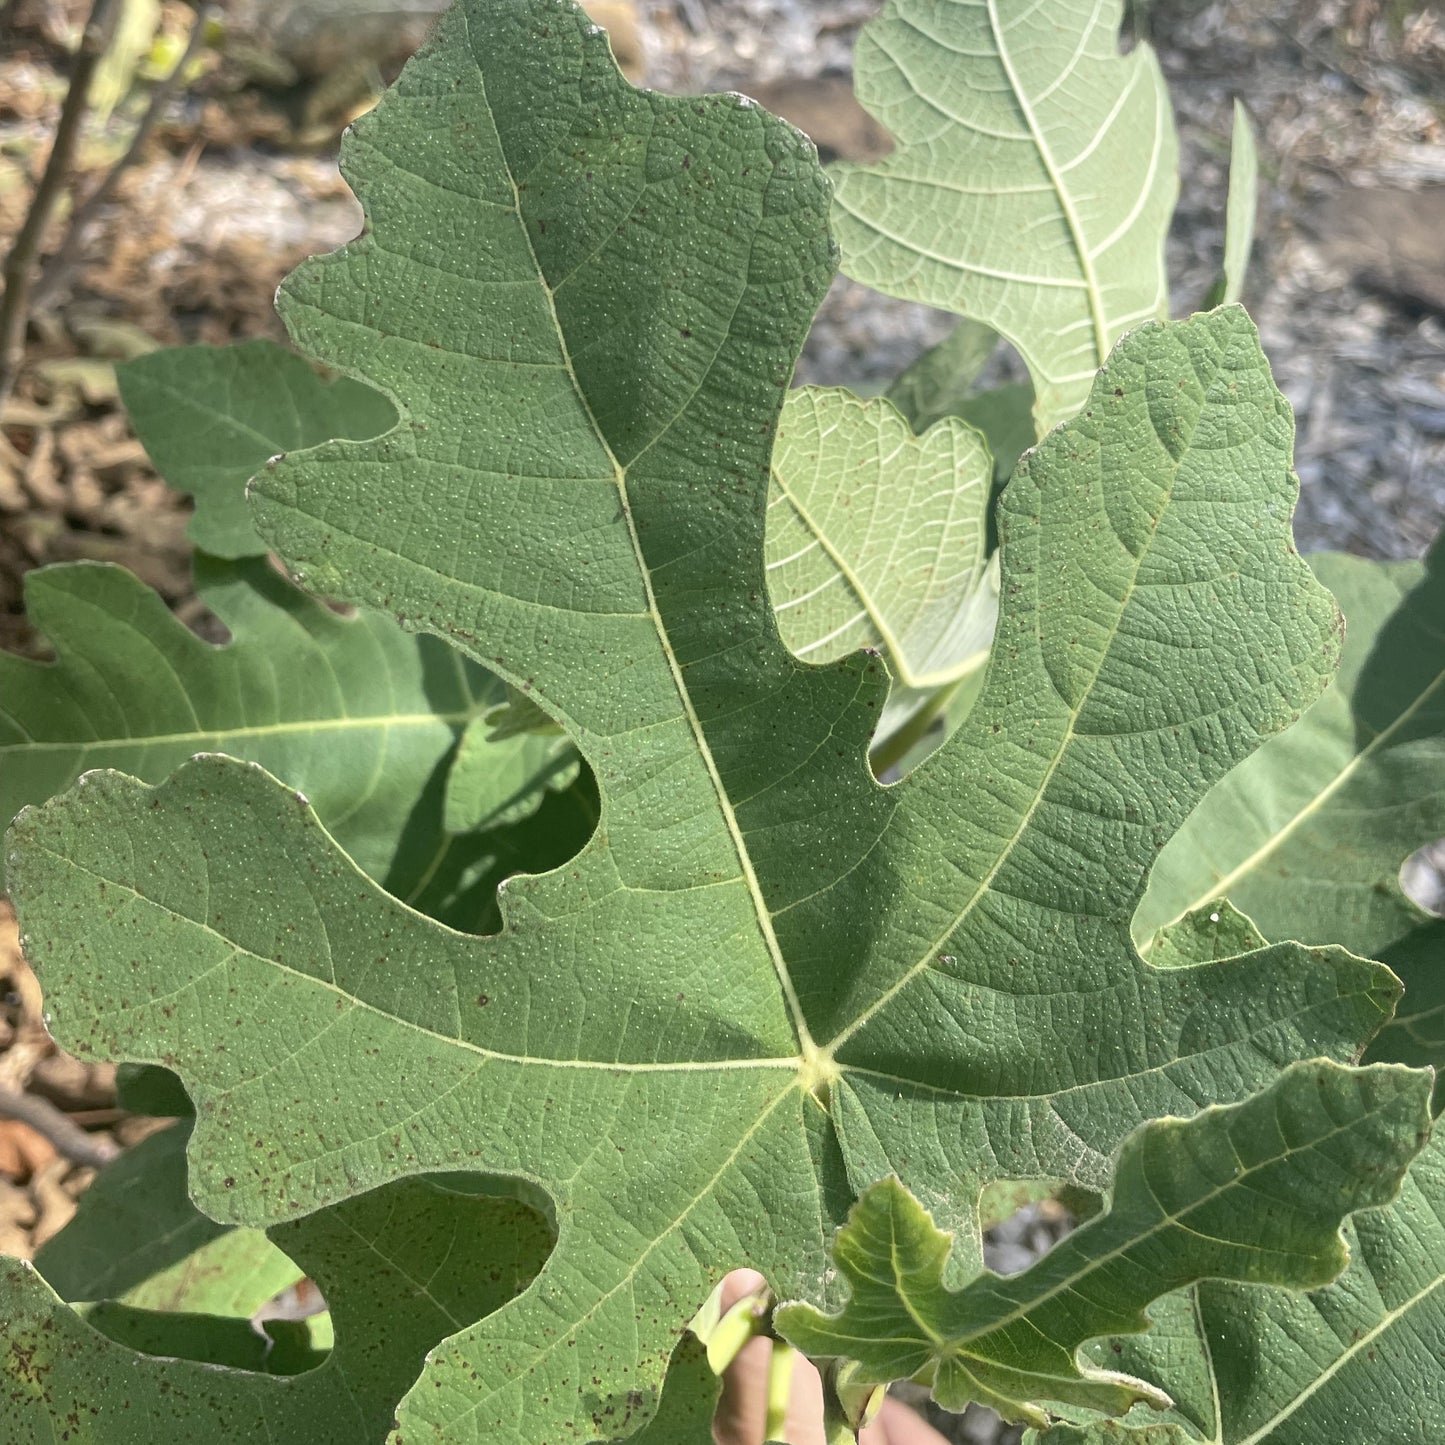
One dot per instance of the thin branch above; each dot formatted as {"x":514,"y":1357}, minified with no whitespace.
{"x":69,"y":1138}
{"x":19,"y":270}
{"x":64,"y":258}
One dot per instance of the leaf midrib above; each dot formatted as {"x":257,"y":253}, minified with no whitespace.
{"x":1076,"y":234}
{"x":807,"y":1049}
{"x":561,"y":1337}
{"x":1068,"y":737}
{"x":347,"y":723}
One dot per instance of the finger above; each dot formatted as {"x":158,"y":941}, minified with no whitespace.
{"x":739,"y":1283}
{"x":896,"y":1424}
{"x":743,"y":1408}
{"x":805,"y":1404}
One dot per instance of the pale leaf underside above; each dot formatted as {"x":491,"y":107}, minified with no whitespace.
{"x":1242,"y":205}
{"x":876,"y":538}
{"x":1033,"y":180}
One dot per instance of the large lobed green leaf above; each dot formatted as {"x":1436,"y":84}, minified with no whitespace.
{"x":766,"y":981}
{"x":1359,"y":1360}
{"x":1254,"y":1191}
{"x":1032,"y":183}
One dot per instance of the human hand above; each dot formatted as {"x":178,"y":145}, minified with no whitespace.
{"x":743,"y":1411}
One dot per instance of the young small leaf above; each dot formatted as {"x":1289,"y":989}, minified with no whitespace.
{"x":1032,"y":184}
{"x":212,"y":416}
{"x":940,"y":384}
{"x":1253,"y":1192}
{"x":876,"y":537}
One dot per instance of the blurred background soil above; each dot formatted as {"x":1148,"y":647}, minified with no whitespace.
{"x":238,"y":181}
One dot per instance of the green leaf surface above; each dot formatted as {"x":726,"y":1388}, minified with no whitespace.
{"x":462,"y":890}
{"x":1210,"y":933}
{"x":211,"y":417}
{"x":1415,"y":1033}
{"x":150,"y":1089}
{"x":689,"y":1400}
{"x":766,"y":981}
{"x":1253,"y":1192}
{"x":1243,"y":202}
{"x":1247,"y":1366}
{"x":944,"y":376}
{"x":496,"y":780}
{"x":401,"y":1268}
{"x":137,"y":1237}
{"x":1357,"y":1362}
{"x":1307,"y":837}
{"x":283,"y":1348}
{"x":1005,"y":416}
{"x":1032,"y":183}
{"x":876,"y":538}
{"x":133,"y":1227}
{"x":350,"y":711}
{"x":940,"y":384}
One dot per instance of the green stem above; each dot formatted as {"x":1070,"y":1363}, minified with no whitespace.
{"x":780,"y":1389}
{"x":892,"y":750}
